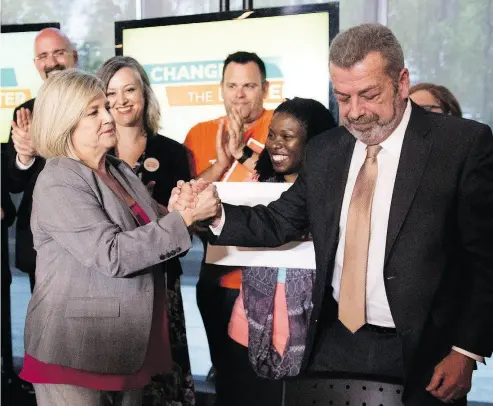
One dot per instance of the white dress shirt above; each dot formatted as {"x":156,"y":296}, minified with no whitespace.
{"x":21,"y":166}
{"x":377,"y":305}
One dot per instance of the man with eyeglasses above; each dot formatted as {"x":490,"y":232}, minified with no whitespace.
{"x":53,"y":52}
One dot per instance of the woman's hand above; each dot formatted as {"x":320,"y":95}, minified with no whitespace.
{"x":179,"y":200}
{"x":185,"y":203}
{"x":199,"y":185}
{"x":195,"y":201}
{"x":175,"y":202}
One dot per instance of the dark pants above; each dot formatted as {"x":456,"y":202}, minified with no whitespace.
{"x":7,"y":360}
{"x":242,"y":386}
{"x":236,"y":382}
{"x":32,"y":280}
{"x":216,"y":304}
{"x":367,"y":352}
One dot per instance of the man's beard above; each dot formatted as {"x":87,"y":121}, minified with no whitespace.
{"x":380,"y":130}
{"x":55,"y":68}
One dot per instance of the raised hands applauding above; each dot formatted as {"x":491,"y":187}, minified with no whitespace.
{"x":230,"y":138}
{"x":21,"y":136}
{"x":196,"y":200}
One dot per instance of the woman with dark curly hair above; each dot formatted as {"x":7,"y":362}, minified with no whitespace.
{"x":293,"y":124}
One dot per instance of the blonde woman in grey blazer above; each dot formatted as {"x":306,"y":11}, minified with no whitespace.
{"x":96,"y":327}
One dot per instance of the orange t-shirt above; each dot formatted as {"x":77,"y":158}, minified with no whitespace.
{"x":201,"y":140}
{"x":201,"y":143}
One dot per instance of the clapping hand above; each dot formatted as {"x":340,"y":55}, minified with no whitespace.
{"x":223,"y":154}
{"x":21,"y":136}
{"x":236,"y":133}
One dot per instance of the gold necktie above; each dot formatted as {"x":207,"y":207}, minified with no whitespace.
{"x":352,"y":298}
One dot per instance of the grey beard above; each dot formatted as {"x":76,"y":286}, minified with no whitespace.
{"x":381,"y":132}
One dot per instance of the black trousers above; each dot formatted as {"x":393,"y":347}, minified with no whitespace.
{"x":32,"y":280}
{"x":7,"y":359}
{"x":242,"y":387}
{"x":236,"y":382}
{"x":215,"y":304}
{"x":371,"y":353}
{"x":364,"y":352}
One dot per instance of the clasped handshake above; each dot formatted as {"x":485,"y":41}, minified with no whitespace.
{"x":196,"y":200}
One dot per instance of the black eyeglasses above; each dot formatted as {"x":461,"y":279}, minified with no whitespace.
{"x":432,"y":107}
{"x":58,"y":54}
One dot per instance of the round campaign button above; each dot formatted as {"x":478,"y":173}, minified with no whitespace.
{"x":151,"y":164}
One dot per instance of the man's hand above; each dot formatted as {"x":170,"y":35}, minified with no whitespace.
{"x":224,"y":158}
{"x":21,"y":136}
{"x":208,"y":204}
{"x":452,"y":377}
{"x":236,"y":132}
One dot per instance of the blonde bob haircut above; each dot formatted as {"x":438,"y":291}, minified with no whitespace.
{"x":60,"y":105}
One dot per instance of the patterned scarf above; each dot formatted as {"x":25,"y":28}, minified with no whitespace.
{"x":258,"y":285}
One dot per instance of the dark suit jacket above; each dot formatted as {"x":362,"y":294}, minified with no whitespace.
{"x":23,"y":181}
{"x":9,"y":213}
{"x":438,"y":268}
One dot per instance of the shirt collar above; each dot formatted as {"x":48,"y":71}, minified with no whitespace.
{"x":393,"y":144}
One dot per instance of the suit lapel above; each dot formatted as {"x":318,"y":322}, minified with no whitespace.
{"x":414,"y":157}
{"x":333,"y":191}
{"x":128,"y":180}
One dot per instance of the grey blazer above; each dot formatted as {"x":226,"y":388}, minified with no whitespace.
{"x":96,"y":269}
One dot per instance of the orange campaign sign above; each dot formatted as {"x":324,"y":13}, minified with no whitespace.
{"x":210,"y":94}
{"x":238,"y":172}
{"x":11,"y":98}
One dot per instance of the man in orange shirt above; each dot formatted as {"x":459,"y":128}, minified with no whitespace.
{"x":227,"y":149}
{"x":217,"y":145}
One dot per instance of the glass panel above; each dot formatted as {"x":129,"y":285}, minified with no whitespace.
{"x":449,"y":42}
{"x":160,"y":8}
{"x":352,"y":12}
{"x":88,"y":24}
